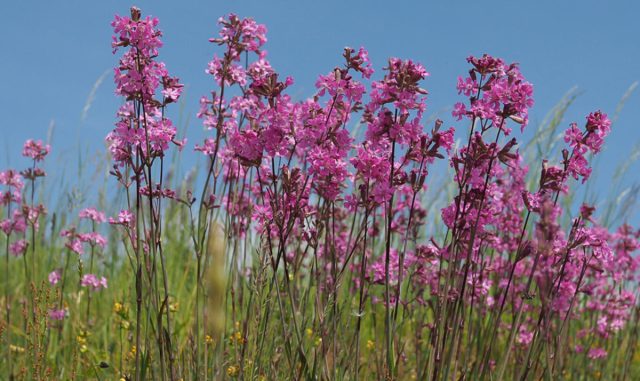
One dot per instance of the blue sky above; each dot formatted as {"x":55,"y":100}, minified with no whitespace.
{"x":54,"y":51}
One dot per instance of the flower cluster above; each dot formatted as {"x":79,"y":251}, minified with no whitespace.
{"x":581,"y":142}
{"x":312,"y":203}
{"x":496,"y":92}
{"x":20,"y":213}
{"x":93,"y":282}
{"x":36,"y":150}
{"x":142,"y":131}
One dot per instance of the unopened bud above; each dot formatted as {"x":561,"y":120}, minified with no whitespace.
{"x":135,"y":14}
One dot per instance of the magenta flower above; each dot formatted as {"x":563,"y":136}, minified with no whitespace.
{"x":125,"y":218}
{"x":92,"y":281}
{"x":240,"y":35}
{"x":11,"y":179}
{"x":74,"y":243}
{"x":54,"y":277}
{"x":16,"y":224}
{"x":93,"y":239}
{"x":208,"y":148}
{"x":35,"y":150}
{"x":591,"y":140}
{"x":140,"y":79}
{"x":57,"y":314}
{"x":597,"y":353}
{"x":18,"y":248}
{"x":496,"y":91}
{"x":92,"y":214}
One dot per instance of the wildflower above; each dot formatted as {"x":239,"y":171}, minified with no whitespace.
{"x":596,"y":353}
{"x":18,"y":248}
{"x":524,"y":336}
{"x":92,"y":281}
{"x":93,"y":239}
{"x":11,"y":179}
{"x":16,"y":348}
{"x":239,"y":338}
{"x":400,"y":87}
{"x":54,"y":277}
{"x":208,"y":148}
{"x":132,"y":353}
{"x":125,"y":218}
{"x":92,"y":214}
{"x":233,"y":370}
{"x":597,"y":128}
{"x":35,"y":150}
{"x":497,"y":92}
{"x":138,"y":79}
{"x":240,"y":35}
{"x":57,"y":314}
{"x":74,"y":242}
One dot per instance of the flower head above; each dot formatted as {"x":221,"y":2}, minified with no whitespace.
{"x":93,"y":282}
{"x":35,"y":150}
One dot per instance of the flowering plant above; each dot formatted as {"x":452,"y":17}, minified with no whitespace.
{"x":310,"y":248}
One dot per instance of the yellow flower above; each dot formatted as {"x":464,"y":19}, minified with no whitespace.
{"x":16,"y":349}
{"x":232,"y":370}
{"x":370,"y":344}
{"x":81,"y":340}
{"x":239,"y":338}
{"x":208,"y":340}
{"x":309,"y":332}
{"x":173,"y":307}
{"x":132,"y":353}
{"x":117,"y":307}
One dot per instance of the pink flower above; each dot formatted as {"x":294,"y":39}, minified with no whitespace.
{"x":125,"y":218}
{"x":141,"y":131}
{"x":466,"y":86}
{"x":139,"y":33}
{"x":11,"y":179}
{"x":16,"y":224}
{"x":208,"y":148}
{"x":597,"y":353}
{"x":93,"y":239}
{"x":445,"y":139}
{"x":54,"y":277}
{"x":75,"y":245}
{"x":92,"y":214}
{"x":18,"y":248}
{"x":171,"y":88}
{"x":56,"y":314}
{"x":359,"y":62}
{"x":592,"y":139}
{"x":496,"y":91}
{"x":240,"y":35}
{"x":92,"y":281}
{"x":459,"y":111}
{"x":35,"y":150}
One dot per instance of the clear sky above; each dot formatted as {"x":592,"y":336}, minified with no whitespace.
{"x":54,"y":51}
